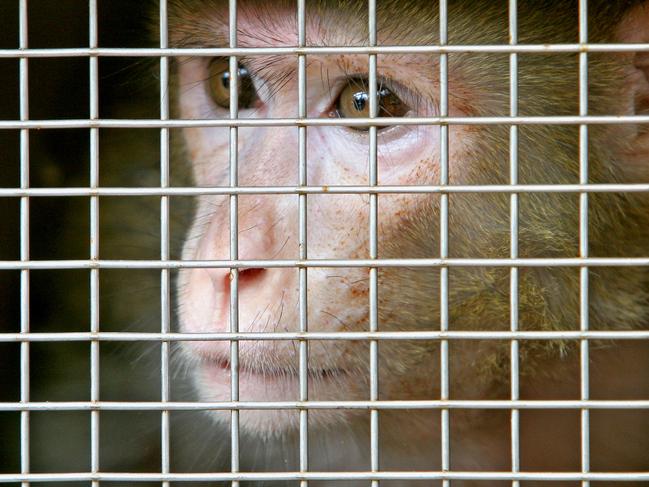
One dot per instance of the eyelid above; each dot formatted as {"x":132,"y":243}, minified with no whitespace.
{"x":413,"y":98}
{"x":262,"y":87}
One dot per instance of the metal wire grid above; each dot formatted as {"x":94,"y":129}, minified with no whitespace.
{"x":165,"y":264}
{"x":94,"y":242}
{"x":443,"y":241}
{"x":583,"y":240}
{"x":513,"y":240}
{"x":234,"y":245}
{"x":165,"y":278}
{"x":302,"y":244}
{"x":24,"y":244}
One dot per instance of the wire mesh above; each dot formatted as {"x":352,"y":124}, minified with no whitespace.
{"x":374,"y":335}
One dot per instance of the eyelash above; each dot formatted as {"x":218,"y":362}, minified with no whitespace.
{"x":267,"y":90}
{"x":405,"y":94}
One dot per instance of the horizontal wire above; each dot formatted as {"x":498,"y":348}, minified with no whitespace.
{"x":285,"y":476}
{"x":292,"y":190}
{"x":431,"y":404}
{"x":321,"y":122}
{"x":320,"y":50}
{"x":323,"y":336}
{"x":321,"y":263}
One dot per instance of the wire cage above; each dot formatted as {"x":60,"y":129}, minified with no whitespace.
{"x":32,"y":403}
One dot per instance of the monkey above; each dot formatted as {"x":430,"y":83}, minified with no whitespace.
{"x":408,"y":85}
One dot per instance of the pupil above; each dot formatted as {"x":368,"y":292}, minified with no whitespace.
{"x":225,"y":80}
{"x":360,"y":100}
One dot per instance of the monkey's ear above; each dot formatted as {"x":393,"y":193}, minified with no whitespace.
{"x":634,"y":28}
{"x":641,"y":85}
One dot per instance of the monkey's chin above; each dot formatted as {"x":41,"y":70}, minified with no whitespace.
{"x":213,"y":384}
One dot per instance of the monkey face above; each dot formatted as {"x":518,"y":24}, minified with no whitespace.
{"x":408,"y":224}
{"x":338,"y":225}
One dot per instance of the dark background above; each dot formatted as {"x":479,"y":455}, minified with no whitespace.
{"x":59,"y":229}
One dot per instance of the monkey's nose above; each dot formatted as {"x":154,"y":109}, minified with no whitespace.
{"x":249,"y":276}
{"x":257,"y":242}
{"x":250,"y":281}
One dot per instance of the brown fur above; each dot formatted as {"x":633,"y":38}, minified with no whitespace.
{"x":479,"y":228}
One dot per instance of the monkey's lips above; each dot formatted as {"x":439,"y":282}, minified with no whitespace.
{"x":271,"y":373}
{"x":213,"y":383}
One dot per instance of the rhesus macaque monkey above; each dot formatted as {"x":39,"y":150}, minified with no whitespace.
{"x":479,"y":227}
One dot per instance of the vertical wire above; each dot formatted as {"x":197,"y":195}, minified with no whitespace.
{"x":234,"y":243}
{"x":302,"y":238}
{"x":443,"y":238}
{"x":165,"y":304}
{"x":373,"y":284}
{"x":513,"y":221}
{"x":24,"y":242}
{"x":583,"y":239}
{"x":94,"y":241}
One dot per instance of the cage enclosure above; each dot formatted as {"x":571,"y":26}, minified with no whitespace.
{"x":324,"y":243}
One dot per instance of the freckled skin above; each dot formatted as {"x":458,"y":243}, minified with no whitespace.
{"x":338,"y":227}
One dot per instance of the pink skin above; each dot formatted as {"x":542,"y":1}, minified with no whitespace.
{"x":268,"y":225}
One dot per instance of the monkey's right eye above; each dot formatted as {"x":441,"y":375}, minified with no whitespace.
{"x":218,"y":84}
{"x":354,"y":102}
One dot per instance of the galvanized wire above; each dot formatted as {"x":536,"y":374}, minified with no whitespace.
{"x":373,"y":335}
{"x":373,"y":241}
{"x":321,"y":263}
{"x":314,"y":189}
{"x":327,"y":405}
{"x":513,"y":241}
{"x":323,"y":50}
{"x":332,"y":476}
{"x":302,"y":243}
{"x":583,"y":241}
{"x":443,"y":242}
{"x":234,"y":239}
{"x":324,"y":122}
{"x":330,"y":335}
{"x":94,"y":240}
{"x":165,"y":236}
{"x":24,"y":245}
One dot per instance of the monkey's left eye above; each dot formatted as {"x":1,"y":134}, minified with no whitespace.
{"x":354,"y":102}
{"x":218,"y":84}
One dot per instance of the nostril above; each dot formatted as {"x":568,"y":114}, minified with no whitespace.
{"x":251,"y":274}
{"x":247,"y":275}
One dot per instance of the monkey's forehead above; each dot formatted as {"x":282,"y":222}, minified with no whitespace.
{"x":262,"y":23}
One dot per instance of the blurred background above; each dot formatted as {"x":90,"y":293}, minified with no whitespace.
{"x":129,"y":228}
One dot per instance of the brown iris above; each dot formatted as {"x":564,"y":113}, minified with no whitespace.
{"x":354,"y":102}
{"x":218,"y":83}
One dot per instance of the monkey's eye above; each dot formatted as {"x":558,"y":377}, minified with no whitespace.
{"x":354,"y":102}
{"x":218,"y":84}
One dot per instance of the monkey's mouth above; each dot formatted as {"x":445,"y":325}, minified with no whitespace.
{"x":262,"y":297}
{"x":259,"y":369}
